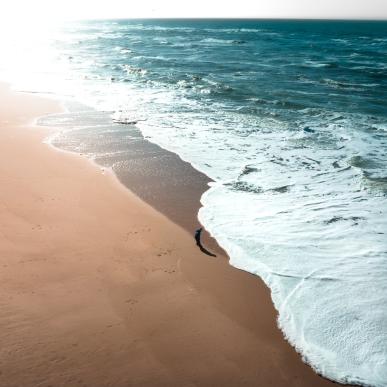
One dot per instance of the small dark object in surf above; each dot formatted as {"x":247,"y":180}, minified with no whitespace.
{"x":198,"y":233}
{"x":127,"y":121}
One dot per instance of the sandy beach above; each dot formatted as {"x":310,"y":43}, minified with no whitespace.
{"x":100,"y":289}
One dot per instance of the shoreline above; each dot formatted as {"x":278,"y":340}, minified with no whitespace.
{"x":158,"y":176}
{"x":99,"y":289}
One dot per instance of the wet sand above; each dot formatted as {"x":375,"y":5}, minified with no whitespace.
{"x":100,"y":289}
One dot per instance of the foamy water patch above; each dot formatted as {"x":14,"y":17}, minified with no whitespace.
{"x":324,"y":261}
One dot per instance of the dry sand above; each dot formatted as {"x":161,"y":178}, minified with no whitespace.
{"x":99,"y":289}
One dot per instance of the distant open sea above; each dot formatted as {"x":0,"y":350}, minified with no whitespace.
{"x":288,"y":118}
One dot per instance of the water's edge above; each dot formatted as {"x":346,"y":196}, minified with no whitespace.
{"x":181,"y":202}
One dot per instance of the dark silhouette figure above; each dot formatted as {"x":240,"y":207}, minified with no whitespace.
{"x":198,"y":233}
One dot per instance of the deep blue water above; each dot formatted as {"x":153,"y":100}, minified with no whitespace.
{"x":295,"y":65}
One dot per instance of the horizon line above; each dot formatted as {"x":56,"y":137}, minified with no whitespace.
{"x":233,"y":18}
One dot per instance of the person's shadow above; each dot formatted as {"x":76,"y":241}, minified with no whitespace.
{"x":198,"y":233}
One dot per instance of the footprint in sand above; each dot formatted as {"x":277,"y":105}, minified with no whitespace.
{"x":131,"y":301}
{"x":166,"y":252}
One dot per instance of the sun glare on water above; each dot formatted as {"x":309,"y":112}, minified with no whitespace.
{"x":26,"y":36}
{"x":29,"y":29}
